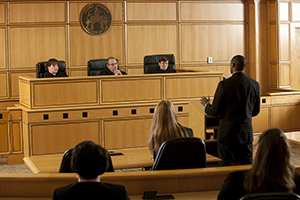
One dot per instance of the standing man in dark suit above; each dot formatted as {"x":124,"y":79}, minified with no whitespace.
{"x":112,"y":67}
{"x":89,"y":161}
{"x":236,"y":101}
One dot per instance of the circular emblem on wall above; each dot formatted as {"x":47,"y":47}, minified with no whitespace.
{"x":95,"y":18}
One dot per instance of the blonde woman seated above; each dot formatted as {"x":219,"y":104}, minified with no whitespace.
{"x":272,"y":170}
{"x":165,"y":126}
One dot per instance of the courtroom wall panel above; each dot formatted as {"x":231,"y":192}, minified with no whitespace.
{"x":212,"y":11}
{"x":2,"y":13}
{"x":295,"y":49}
{"x":4,"y":142}
{"x":84,"y":47}
{"x":115,"y":8}
{"x":221,"y":42}
{"x":283,"y":14}
{"x":30,"y":45}
{"x":286,"y":117}
{"x":151,"y":39}
{"x":295,"y":11}
{"x":2,"y":47}
{"x":3,"y":85}
{"x":14,"y":81}
{"x":145,"y":11}
{"x":38,"y":12}
{"x":284,"y":42}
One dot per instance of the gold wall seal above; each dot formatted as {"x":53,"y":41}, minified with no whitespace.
{"x":95,"y":18}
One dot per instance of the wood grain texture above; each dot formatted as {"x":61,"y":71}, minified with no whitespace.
{"x":145,"y":40}
{"x":284,"y":42}
{"x":284,"y":75}
{"x":295,"y":11}
{"x":2,"y":47}
{"x":283,"y":11}
{"x":156,"y":11}
{"x":280,"y":120}
{"x":14,"y":81}
{"x":4,"y":142}
{"x":261,"y":122}
{"x":16,"y":136}
{"x":220,"y":42}
{"x":115,"y":8}
{"x":30,"y":45}
{"x":216,"y":11}
{"x":45,"y":136}
{"x":3,"y":85}
{"x":37,"y":12}
{"x":101,"y":46}
{"x":295,"y":57}
{"x":2,"y":13}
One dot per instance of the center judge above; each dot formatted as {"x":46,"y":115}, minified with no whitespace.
{"x":112,"y":67}
{"x":165,"y":126}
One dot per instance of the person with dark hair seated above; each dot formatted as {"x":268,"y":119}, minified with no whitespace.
{"x":53,"y":66}
{"x":112,"y":67}
{"x":272,"y":170}
{"x":89,"y":161}
{"x":163,"y":65}
{"x":165,"y":126}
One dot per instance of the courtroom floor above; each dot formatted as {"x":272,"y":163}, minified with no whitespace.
{"x":21,"y":168}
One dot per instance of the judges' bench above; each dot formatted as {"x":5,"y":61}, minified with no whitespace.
{"x":113,"y":111}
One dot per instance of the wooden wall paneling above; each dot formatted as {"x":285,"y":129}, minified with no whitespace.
{"x":44,"y":136}
{"x":84,"y":47}
{"x":30,"y":45}
{"x":183,"y":120}
{"x":286,"y":117}
{"x":135,"y":90}
{"x":216,"y":11}
{"x":26,"y":141}
{"x":126,"y":133}
{"x":4,"y":138}
{"x":60,"y":93}
{"x":115,"y":8}
{"x":14,"y":81}
{"x":135,"y":70}
{"x":284,"y":42}
{"x":3,"y":85}
{"x":151,"y":39}
{"x":221,"y":42}
{"x":284,"y":75}
{"x":295,"y":11}
{"x":37,"y":12}
{"x":25,"y":93}
{"x":2,"y":48}
{"x":272,"y":11}
{"x":295,"y":57}
{"x":273,"y":73}
{"x":78,"y":71}
{"x":16,"y":129}
{"x":148,"y":11}
{"x":261,"y":122}
{"x":283,"y":11}
{"x":2,"y":13}
{"x":273,"y":44}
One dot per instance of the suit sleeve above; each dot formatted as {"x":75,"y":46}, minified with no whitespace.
{"x":256,"y":108}
{"x":215,"y":109}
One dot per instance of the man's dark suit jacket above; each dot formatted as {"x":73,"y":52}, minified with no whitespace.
{"x":157,"y":70}
{"x":108,"y":72}
{"x":91,"y":190}
{"x":236,"y":100}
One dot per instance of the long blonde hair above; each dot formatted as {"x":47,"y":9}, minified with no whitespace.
{"x":272,"y":170}
{"x":164,"y":125}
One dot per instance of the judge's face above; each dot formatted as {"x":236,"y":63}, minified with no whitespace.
{"x":53,"y":69}
{"x":163,"y":65}
{"x":112,"y":65}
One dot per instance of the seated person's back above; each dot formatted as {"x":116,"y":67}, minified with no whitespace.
{"x":112,"y":67}
{"x":165,"y":126}
{"x":90,"y":160}
{"x":53,"y":69}
{"x":272,"y":170}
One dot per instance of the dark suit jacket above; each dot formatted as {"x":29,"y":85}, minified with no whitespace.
{"x":233,"y":188}
{"x":58,"y":74}
{"x":158,"y":70}
{"x":236,"y":100}
{"x":106,"y":71}
{"x":90,"y":190}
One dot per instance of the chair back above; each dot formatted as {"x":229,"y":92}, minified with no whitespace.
{"x":65,"y":166}
{"x":151,"y":63}
{"x":41,"y":68}
{"x":271,"y":196}
{"x":181,"y":153}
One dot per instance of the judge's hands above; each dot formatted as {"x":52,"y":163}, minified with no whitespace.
{"x":204,"y":100}
{"x":118,"y":72}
